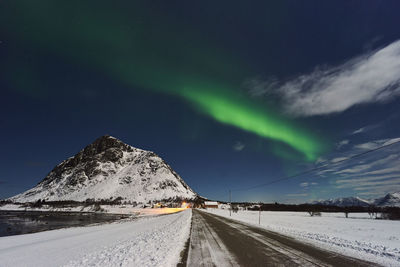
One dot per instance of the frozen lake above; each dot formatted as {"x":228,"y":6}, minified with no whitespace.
{"x":24,"y":222}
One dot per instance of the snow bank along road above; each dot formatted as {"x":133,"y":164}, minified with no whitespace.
{"x":358,"y":236}
{"x":154,"y":241}
{"x":219,"y":241}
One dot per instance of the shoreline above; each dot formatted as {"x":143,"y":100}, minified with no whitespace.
{"x":19,"y":222}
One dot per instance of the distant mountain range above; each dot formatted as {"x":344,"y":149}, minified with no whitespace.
{"x":389,"y":200}
{"x":343,"y":202}
{"x":108,"y":169}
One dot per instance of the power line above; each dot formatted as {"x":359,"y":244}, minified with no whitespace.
{"x":318,"y":168}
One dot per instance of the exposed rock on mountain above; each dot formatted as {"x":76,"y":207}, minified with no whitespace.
{"x":110,"y":169}
{"x":390,"y":200}
{"x":345,"y":202}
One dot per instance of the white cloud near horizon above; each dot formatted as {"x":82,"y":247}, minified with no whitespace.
{"x":375,"y":173}
{"x":376,"y":143}
{"x":362,"y":179}
{"x":370,"y":78}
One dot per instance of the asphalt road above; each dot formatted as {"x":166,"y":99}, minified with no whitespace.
{"x":218,"y":241}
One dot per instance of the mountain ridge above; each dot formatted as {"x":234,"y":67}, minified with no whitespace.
{"x":389,"y":200}
{"x":108,"y":169}
{"x":344,"y":201}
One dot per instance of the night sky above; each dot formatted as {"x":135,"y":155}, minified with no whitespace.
{"x":232,"y":94}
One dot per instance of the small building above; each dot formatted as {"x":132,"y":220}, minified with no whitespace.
{"x":157,"y":205}
{"x":211,"y":204}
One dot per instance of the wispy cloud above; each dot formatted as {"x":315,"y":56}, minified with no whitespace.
{"x":307,"y":184}
{"x":338,"y":159}
{"x":374,"y":174}
{"x":380,"y":166}
{"x":320,"y":160}
{"x":372,"y":77}
{"x":386,"y":122}
{"x":368,"y":145}
{"x":257,"y":87}
{"x":379,"y":189}
{"x":342,"y":143}
{"x":378,"y":180}
{"x":361,"y":130}
{"x":238,"y":146}
{"x":376,"y":143}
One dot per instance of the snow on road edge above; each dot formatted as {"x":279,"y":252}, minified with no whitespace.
{"x":150,"y":241}
{"x":358,"y":238}
{"x":160,"y":247}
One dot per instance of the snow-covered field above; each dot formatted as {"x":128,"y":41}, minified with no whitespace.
{"x":147,"y":241}
{"x":357,"y":236}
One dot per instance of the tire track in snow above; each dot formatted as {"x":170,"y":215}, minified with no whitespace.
{"x":206,"y":249}
{"x":253,"y":246}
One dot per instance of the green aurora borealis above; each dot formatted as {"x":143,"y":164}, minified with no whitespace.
{"x":247,"y":116}
{"x":157,"y":55}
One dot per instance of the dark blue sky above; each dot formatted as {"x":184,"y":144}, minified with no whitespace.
{"x":330,"y":68}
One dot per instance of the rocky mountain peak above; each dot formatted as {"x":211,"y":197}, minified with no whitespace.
{"x":344,"y":202}
{"x":104,"y":143}
{"x":104,"y":148}
{"x":390,"y":199}
{"x":109,"y":168}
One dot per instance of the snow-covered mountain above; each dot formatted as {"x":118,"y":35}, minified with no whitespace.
{"x":345,"y":202}
{"x":108,"y":169}
{"x":390,"y":200}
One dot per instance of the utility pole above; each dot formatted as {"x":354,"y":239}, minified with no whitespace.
{"x":230,"y":203}
{"x":259,"y":215}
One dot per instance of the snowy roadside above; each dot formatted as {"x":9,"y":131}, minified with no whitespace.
{"x":148,"y":241}
{"x":372,"y":240}
{"x":114,"y":209}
